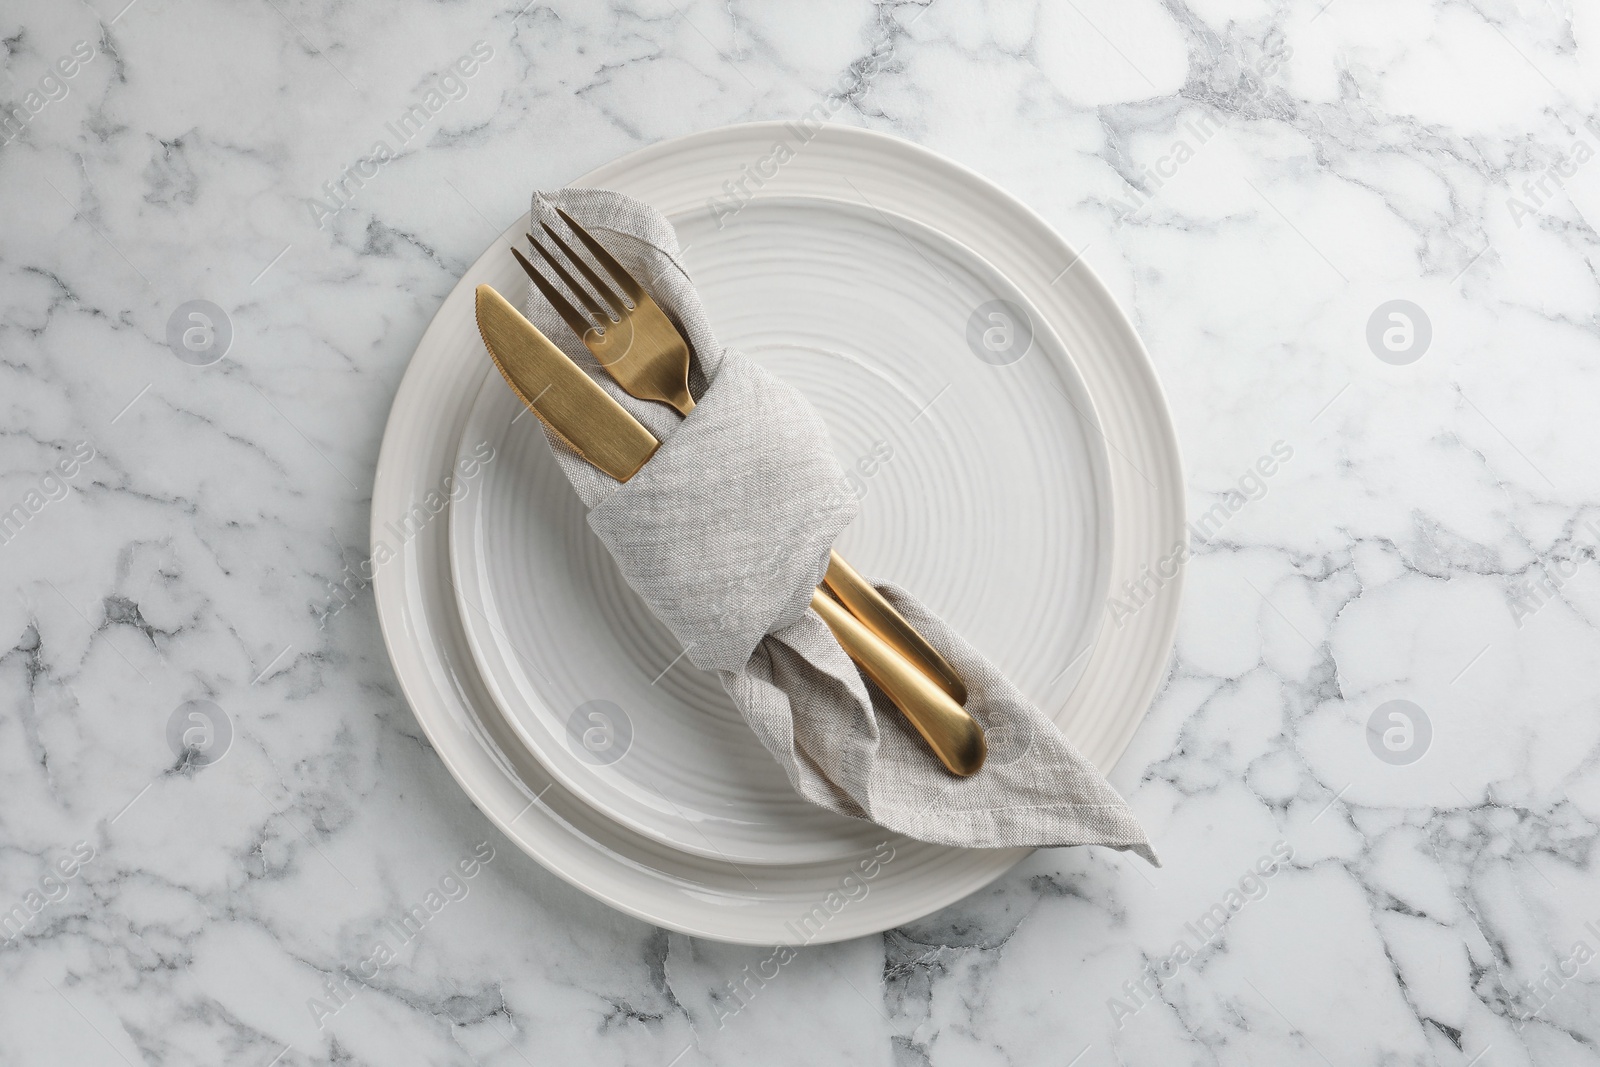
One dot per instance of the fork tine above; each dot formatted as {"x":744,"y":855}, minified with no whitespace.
{"x":634,"y":290}
{"x":602,"y":309}
{"x":594,"y":279}
{"x":569,"y":314}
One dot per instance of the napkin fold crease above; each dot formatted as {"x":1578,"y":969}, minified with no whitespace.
{"x":725,"y":532}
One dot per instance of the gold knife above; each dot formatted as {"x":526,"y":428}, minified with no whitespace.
{"x":567,"y":400}
{"x":603,"y":432}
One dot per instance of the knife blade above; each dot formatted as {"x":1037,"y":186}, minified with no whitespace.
{"x":565,"y":398}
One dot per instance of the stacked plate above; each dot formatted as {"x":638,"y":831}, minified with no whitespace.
{"x":1014,"y":458}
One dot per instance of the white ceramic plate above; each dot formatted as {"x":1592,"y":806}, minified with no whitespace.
{"x":983,"y":485}
{"x":630,"y":871}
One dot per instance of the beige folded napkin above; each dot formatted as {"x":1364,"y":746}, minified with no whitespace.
{"x":724,"y":534}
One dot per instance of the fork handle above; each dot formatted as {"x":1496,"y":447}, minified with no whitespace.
{"x":868,"y":605}
{"x":948,"y":728}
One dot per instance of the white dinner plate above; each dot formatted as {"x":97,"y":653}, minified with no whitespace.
{"x":792,"y":902}
{"x":983,"y":485}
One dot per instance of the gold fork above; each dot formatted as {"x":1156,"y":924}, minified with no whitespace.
{"x":644,"y":353}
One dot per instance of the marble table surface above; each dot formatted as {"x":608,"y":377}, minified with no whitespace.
{"x":1358,"y":239}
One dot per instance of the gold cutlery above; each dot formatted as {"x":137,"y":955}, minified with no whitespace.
{"x":644,"y":353}
{"x":605,"y":434}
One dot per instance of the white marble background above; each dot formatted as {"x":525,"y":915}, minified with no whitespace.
{"x":1390,"y":558}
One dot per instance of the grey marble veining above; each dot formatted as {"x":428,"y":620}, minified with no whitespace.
{"x":1256,"y":182}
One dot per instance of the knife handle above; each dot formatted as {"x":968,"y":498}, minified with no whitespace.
{"x":868,"y":605}
{"x":948,"y":728}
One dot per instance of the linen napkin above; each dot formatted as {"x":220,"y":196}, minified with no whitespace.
{"x":726,"y":531}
